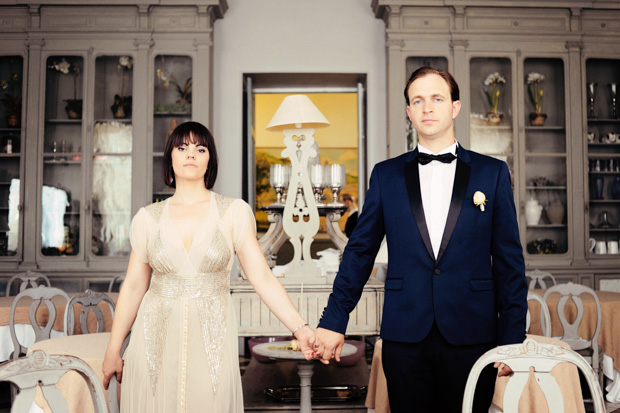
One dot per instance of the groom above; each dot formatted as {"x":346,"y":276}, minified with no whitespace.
{"x":455,"y":285}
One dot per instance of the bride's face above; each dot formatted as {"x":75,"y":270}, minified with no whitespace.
{"x":190,"y":160}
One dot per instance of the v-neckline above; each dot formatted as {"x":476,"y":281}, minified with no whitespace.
{"x":200,"y":225}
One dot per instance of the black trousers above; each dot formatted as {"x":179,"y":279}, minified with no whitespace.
{"x":430,"y":376}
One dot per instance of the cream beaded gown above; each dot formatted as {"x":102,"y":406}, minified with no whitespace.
{"x":183,"y":356}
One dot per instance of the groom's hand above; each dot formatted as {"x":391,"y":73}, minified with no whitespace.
{"x":305,"y":338}
{"x":328,"y":344}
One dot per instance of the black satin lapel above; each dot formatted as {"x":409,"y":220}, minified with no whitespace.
{"x":412,"y":178}
{"x":461,"y":178}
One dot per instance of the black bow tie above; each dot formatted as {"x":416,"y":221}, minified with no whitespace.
{"x":425,"y":158}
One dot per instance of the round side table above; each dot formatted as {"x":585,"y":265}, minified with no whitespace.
{"x":304,"y":368}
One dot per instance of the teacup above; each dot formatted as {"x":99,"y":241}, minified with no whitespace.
{"x":613,"y":137}
{"x":591,"y":136}
{"x":612,"y":247}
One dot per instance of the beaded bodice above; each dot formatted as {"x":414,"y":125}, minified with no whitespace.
{"x":204,"y":282}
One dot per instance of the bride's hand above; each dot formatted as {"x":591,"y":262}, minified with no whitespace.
{"x":305,"y":337}
{"x":112,"y":364}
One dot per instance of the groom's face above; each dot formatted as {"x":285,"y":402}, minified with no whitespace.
{"x":431,"y":109}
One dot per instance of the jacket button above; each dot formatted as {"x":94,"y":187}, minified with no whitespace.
{"x":437,"y":271}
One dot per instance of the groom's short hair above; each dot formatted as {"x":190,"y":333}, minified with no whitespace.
{"x":426,"y":70}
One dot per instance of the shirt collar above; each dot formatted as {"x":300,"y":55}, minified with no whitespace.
{"x":450,"y":149}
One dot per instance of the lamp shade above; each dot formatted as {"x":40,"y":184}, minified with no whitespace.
{"x":297,"y":111}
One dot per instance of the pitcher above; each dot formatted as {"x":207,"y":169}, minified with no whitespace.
{"x":533,"y":211}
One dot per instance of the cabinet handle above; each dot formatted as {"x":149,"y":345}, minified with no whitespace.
{"x":87,"y":207}
{"x":20,"y":207}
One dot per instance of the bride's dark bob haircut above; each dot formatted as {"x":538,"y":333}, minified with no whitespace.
{"x":198,"y":134}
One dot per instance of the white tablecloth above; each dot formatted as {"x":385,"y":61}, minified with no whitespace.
{"x":25,"y":335}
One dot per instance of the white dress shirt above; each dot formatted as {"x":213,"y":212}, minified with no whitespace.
{"x":436,"y":182}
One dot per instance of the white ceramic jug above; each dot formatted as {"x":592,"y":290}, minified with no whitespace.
{"x":533,"y":211}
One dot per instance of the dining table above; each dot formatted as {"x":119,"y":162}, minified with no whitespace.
{"x":609,"y":335}
{"x":24,"y":331}
{"x":532,"y":399}
{"x":91,"y":349}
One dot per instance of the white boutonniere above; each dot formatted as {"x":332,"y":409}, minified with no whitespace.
{"x":480,"y":200}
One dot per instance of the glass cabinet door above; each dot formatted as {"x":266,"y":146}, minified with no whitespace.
{"x":111,"y":156}
{"x":603,"y":137}
{"x":491,"y":123}
{"x":62,"y":157}
{"x":11,"y":86}
{"x":545,"y":156}
{"x":172,"y":106}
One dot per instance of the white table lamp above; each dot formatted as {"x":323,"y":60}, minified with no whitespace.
{"x":297,"y":117}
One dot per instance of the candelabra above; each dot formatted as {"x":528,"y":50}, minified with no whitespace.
{"x":279,"y":176}
{"x":614,"y":112}
{"x":591,"y":91}
{"x":337,"y":179}
{"x":317,"y":178}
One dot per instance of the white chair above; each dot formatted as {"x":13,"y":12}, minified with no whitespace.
{"x":545,"y":316}
{"x":29,"y":279}
{"x":537,"y":277}
{"x":40,"y":296}
{"x":44,"y":370}
{"x":543,"y":358}
{"x":588,"y":348}
{"x":118,"y":278}
{"x":90,"y":302}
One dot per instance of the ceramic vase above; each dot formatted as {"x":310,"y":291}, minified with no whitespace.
{"x":538,"y":119}
{"x":533,"y":212}
{"x":494,"y":119}
{"x":598,"y":183}
{"x":615,"y":188}
{"x":12,"y":121}
{"x":555,"y":213}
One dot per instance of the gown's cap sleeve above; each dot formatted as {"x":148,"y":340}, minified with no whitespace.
{"x":244,"y":223}
{"x":139,"y":235}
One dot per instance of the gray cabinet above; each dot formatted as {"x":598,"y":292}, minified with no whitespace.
{"x":554,"y":167}
{"x":88,"y":151}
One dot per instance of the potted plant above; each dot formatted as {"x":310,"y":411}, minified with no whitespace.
{"x":12,"y":101}
{"x":183,"y":104}
{"x":494,"y":117}
{"x":121,"y":108}
{"x":74,"y":106}
{"x":535,"y":93}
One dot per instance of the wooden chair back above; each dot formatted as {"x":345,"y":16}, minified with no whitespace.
{"x":542,"y":357}
{"x":537,"y":279}
{"x":545,"y":316}
{"x":40,"y":296}
{"x":44,"y":370}
{"x":586,"y":346}
{"x":89,"y":300}
{"x":29,"y":279}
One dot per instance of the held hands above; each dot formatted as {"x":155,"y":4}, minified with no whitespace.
{"x":112,"y":364}
{"x":305,"y":337}
{"x":327,"y":345}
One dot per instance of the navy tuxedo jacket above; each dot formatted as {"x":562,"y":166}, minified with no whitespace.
{"x":475,"y":290}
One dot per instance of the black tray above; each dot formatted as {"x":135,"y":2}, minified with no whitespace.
{"x":291,"y":394}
